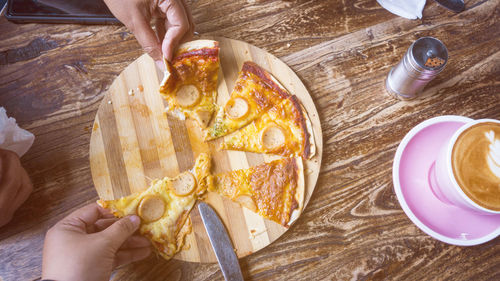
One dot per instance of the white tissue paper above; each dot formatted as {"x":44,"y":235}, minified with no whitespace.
{"x":410,"y":9}
{"x":12,"y":137}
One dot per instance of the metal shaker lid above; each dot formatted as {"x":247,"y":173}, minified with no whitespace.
{"x":428,"y":54}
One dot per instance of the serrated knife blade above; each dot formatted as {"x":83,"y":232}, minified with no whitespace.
{"x":223,"y":248}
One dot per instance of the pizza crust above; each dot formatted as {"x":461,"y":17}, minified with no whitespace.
{"x":267,"y":77}
{"x":193,"y":98}
{"x":310,"y":133}
{"x":196,"y":45}
{"x":308,"y":125}
{"x":166,"y":84}
{"x":168,"y":231}
{"x":306,"y":128}
{"x":275,"y":81}
{"x":309,"y":147}
{"x":299,"y":192}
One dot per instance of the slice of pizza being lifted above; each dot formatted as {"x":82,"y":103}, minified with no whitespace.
{"x":164,"y":207}
{"x":190,"y":81}
{"x":274,"y":190}
{"x":255,"y":92}
{"x":284,"y":130}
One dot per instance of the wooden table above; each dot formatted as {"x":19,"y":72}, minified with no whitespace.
{"x":52,"y":78}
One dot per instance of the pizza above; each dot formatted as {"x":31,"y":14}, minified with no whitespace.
{"x":284,"y":130}
{"x":164,"y":207}
{"x":190,"y":81}
{"x":255,"y":92}
{"x":260,"y":116}
{"x":274,"y":190}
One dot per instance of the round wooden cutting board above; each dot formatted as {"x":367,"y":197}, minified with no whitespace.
{"x":134,"y":141}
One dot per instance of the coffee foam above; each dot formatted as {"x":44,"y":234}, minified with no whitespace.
{"x":494,"y":153}
{"x":476,"y":164}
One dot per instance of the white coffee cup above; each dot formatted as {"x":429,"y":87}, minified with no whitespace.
{"x":443,"y":181}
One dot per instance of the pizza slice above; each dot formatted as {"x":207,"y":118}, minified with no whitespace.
{"x":284,"y":130}
{"x":255,"y":92}
{"x":190,"y":82}
{"x":274,"y":190}
{"x":164,"y":207}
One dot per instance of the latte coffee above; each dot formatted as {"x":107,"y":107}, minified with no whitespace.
{"x":475,"y":160}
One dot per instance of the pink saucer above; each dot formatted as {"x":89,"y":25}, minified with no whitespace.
{"x":414,"y":157}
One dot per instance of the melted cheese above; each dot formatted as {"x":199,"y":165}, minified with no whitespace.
{"x":259,"y":97}
{"x":286,"y":116}
{"x":199,"y":71}
{"x":165,"y":233}
{"x":269,"y":189}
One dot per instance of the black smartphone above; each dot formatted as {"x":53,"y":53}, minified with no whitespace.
{"x":60,"y":11}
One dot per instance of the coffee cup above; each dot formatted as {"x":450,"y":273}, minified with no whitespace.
{"x":466,"y":172}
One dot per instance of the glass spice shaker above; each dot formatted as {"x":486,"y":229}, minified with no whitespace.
{"x":425,"y":58}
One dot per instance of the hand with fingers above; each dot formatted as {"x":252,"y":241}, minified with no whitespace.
{"x":15,"y":185}
{"x":172,"y":20}
{"x":89,"y":243}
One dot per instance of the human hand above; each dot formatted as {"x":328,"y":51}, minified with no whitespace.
{"x":172,"y":19}
{"x":15,"y":185}
{"x":89,"y":243}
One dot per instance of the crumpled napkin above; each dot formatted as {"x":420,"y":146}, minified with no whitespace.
{"x":12,"y":137}
{"x":410,"y":9}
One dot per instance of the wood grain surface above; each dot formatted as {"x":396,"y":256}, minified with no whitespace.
{"x":53,"y":79}
{"x":134,"y":141}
